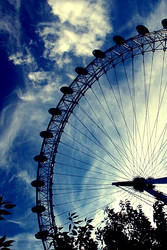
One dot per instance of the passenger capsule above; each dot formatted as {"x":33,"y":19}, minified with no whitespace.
{"x":38,"y":209}
{"x":81,"y":71}
{"x":66,"y":90}
{"x":46,"y":134}
{"x":98,"y":53}
{"x":164,"y":23}
{"x":40,"y":158}
{"x":42,"y":235}
{"x":118,"y":40}
{"x":54,"y":111}
{"x":37,"y":183}
{"x":142,"y":30}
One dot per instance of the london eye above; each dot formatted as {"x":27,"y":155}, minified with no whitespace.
{"x":106,"y":140}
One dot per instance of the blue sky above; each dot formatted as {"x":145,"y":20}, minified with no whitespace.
{"x":41,"y":44}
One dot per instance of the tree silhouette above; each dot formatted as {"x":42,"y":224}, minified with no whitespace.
{"x":5,"y":244}
{"x":78,"y":237}
{"x":127,"y":229}
{"x":5,"y":206}
{"x":160,"y":218}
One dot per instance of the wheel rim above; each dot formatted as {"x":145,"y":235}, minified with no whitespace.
{"x":113,"y":134}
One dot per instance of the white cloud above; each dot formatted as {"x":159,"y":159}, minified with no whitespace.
{"x":24,"y":176}
{"x":19,"y":58}
{"x":10,"y":131}
{"x":153,"y":21}
{"x":45,"y":81}
{"x":14,"y":122}
{"x":43,"y":95}
{"x":82,"y":27}
{"x":38,"y":76}
{"x":61,"y":61}
{"x":28,"y":115}
{"x":10,"y":24}
{"x":81,"y":32}
{"x":26,"y":241}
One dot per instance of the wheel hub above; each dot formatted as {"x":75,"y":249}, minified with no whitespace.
{"x":139,"y":184}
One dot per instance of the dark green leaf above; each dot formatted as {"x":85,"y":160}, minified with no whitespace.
{"x":5,"y":212}
{"x":76,"y":216}
{"x":69,"y":227}
{"x":74,"y":232}
{"x":8,"y":243}
{"x":1,"y":198}
{"x":9,"y":206}
{"x":73,"y":213}
{"x":77,"y":222}
{"x":6,"y":202}
{"x":5,"y":248}
{"x":91,"y":227}
{"x":89,"y":221}
{"x":2,"y":239}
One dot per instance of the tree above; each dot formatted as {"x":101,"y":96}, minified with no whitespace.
{"x":160,"y":218}
{"x":78,"y":237}
{"x":5,"y":206}
{"x":127,"y":229}
{"x":5,"y":244}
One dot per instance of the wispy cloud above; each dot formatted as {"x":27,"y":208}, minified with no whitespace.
{"x":83,"y":31}
{"x":153,"y":21}
{"x":26,"y":241}
{"x":19,"y":58}
{"x":82,"y":26}
{"x":10,"y":24}
{"x":24,"y":176}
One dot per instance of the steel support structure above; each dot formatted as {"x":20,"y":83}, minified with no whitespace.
{"x":132,"y":47}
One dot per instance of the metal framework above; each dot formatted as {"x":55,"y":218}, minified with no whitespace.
{"x":130,"y":48}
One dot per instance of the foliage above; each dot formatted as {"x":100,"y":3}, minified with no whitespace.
{"x":77,"y":237}
{"x":127,"y":229}
{"x":4,"y":207}
{"x":160,"y":218}
{"x":5,"y":244}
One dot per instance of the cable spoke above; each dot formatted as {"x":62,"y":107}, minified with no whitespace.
{"x":112,"y":157}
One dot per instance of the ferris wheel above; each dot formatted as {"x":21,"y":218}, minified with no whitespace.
{"x":107,"y":138}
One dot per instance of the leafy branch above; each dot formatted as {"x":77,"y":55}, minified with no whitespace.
{"x":5,"y":206}
{"x":5,"y":244}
